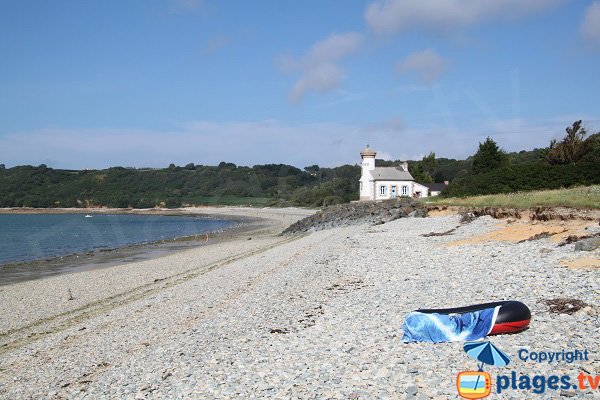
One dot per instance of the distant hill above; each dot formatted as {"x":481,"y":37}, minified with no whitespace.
{"x":272,"y":184}
{"x":574,"y":161}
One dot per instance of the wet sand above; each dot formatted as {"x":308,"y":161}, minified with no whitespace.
{"x":95,"y":284}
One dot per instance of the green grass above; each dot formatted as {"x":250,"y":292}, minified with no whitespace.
{"x":577,"y":197}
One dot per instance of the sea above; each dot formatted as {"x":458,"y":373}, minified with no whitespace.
{"x":32,"y":237}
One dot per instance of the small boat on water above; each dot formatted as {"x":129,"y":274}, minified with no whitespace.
{"x":88,"y":216}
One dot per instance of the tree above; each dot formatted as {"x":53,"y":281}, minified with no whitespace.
{"x":489,"y":157}
{"x":226,"y":165}
{"x":592,"y":149}
{"x":2,"y":166}
{"x":571,"y":149}
{"x":429,"y":163}
{"x":424,"y":169}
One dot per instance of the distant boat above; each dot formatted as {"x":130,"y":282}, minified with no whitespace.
{"x":88,"y":216}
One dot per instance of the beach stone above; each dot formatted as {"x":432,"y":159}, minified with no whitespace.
{"x":589,"y":244}
{"x":411,"y":390}
{"x":567,"y":393}
{"x":342,"y":294}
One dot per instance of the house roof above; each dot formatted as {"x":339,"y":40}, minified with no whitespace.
{"x":436,"y":187}
{"x":391,"y":174}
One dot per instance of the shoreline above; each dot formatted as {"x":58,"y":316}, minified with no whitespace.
{"x":61,"y":294}
{"x":302,"y":316}
{"x":183,"y":211}
{"x":98,"y":258}
{"x":23,"y":271}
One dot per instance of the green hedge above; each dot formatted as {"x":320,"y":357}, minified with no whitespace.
{"x":525,"y":177}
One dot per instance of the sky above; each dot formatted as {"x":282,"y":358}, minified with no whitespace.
{"x":146,"y":83}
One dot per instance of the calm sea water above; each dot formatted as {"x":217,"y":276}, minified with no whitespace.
{"x":32,"y":237}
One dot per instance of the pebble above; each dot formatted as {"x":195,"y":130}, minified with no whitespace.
{"x":336,"y":300}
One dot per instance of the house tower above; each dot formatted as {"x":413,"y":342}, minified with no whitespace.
{"x":367,"y":188}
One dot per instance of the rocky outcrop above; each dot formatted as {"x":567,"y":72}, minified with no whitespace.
{"x":589,"y":244}
{"x":533,"y":213}
{"x":494,"y":212}
{"x":370,"y":212}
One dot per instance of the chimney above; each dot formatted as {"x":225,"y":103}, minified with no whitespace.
{"x":405,"y":166}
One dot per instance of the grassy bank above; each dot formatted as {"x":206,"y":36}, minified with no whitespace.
{"x":578,"y":197}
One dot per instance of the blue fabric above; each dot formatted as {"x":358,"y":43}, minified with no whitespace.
{"x":423,"y":327}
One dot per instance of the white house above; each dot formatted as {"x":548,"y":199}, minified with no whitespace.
{"x":383,"y":183}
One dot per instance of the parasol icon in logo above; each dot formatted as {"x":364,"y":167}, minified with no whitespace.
{"x":478,"y":384}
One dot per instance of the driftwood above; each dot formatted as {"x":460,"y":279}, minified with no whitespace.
{"x":448,"y":232}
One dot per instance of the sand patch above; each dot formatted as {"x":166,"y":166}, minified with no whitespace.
{"x":583,"y":262}
{"x":442,"y":213}
{"x":520,"y":230}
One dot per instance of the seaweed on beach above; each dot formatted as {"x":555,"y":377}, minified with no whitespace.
{"x":564,"y":305}
{"x":445,"y":233}
{"x":541,"y":235}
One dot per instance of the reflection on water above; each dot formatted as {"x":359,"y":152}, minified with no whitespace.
{"x":39,"y":236}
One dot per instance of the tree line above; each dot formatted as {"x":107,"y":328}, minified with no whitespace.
{"x":575,"y":160}
{"x":176,"y":186}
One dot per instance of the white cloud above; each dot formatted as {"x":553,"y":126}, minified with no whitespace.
{"x":320,"y":78}
{"x":590,"y":27}
{"x":318,"y":69}
{"x":334,"y":47}
{"x":389,"y":16}
{"x":427,"y":64}
{"x":261,"y":142}
{"x":200,"y":142}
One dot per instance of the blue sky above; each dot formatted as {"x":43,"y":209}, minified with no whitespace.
{"x":92,"y":84}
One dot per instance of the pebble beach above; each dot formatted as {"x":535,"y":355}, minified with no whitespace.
{"x":308,"y":316}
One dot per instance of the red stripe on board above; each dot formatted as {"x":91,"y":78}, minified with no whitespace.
{"x":510,"y":327}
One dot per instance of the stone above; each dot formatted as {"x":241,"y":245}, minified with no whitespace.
{"x":411,"y":390}
{"x":589,"y":244}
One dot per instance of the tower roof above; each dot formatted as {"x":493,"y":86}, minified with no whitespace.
{"x":368,"y":152}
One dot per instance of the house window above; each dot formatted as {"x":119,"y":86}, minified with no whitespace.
{"x":382,"y":190}
{"x":404,"y":190}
